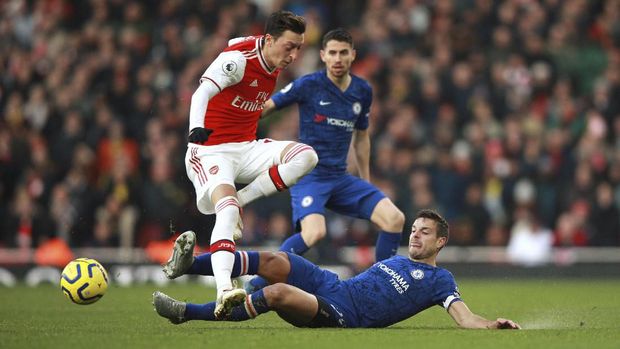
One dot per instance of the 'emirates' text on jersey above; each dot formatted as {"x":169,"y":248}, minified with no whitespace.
{"x":397,"y":288}
{"x":245,"y":82}
{"x":328,"y":116}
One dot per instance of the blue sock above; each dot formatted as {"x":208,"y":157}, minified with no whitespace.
{"x":255,"y":305}
{"x":246,"y":263}
{"x":248,"y":310}
{"x":387,"y":245}
{"x":200,"y":311}
{"x":294,"y":244}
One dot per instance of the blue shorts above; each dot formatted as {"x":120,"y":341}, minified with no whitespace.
{"x":326,"y":286}
{"x":346,"y":194}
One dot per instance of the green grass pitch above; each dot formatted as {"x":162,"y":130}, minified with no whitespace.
{"x":554,"y":314}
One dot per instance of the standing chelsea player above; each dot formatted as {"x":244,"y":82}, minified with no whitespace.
{"x":334,"y":108}
{"x":223,"y":149}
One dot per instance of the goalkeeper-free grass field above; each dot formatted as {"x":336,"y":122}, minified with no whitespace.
{"x":553,"y":313}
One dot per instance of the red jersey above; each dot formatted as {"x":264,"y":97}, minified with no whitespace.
{"x":245,"y":83}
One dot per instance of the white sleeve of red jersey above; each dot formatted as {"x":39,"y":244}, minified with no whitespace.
{"x":226,"y":70}
{"x":240,"y":39}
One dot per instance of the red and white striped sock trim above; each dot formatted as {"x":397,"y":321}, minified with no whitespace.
{"x":249,"y":307}
{"x":298,"y":148}
{"x":244,"y":262}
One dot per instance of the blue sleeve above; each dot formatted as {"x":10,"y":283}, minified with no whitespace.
{"x":290,"y":94}
{"x":363,"y":122}
{"x":446,"y":290}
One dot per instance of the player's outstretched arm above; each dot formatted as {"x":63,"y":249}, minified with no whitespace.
{"x":268,"y":107}
{"x":466,"y":319}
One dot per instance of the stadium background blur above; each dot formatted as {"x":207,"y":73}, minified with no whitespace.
{"x":503,"y":115}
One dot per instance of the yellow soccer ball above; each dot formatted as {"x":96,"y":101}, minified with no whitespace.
{"x":84,"y":281}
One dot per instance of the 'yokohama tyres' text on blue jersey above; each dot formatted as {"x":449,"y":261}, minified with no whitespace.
{"x":397,"y":288}
{"x":388,"y":292}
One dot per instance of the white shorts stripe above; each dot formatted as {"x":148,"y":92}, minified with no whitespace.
{"x":296,"y":150}
{"x":197,"y":166}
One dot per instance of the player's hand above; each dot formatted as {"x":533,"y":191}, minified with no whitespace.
{"x":505,"y":324}
{"x":199,"y":135}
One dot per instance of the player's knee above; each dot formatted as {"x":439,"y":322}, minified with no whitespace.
{"x":274,"y":266}
{"x":273,"y":259}
{"x":398,"y":219}
{"x":312,"y":159}
{"x":393,"y":221}
{"x":305,"y":156}
{"x":277,"y":294}
{"x":313,"y":235}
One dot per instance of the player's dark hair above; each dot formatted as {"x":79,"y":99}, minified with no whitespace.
{"x":443,"y":230}
{"x":281,"y":21}
{"x":337,"y":34}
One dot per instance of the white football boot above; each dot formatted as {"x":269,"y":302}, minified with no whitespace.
{"x":227,"y":300}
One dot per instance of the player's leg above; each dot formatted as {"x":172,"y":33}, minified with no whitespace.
{"x":211,"y":170}
{"x":308,"y":198}
{"x":273,"y":266}
{"x":295,"y":303}
{"x":357,"y":198}
{"x":391,"y":221}
{"x":273,"y":166}
{"x":298,"y":299}
{"x":291,"y":303}
{"x":222,"y":247}
{"x":313,"y":229}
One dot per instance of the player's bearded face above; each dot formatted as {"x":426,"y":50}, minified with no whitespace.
{"x":284,"y":50}
{"x":338,"y":57}
{"x":423,"y":241}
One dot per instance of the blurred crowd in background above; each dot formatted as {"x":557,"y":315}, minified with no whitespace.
{"x":502,"y":115}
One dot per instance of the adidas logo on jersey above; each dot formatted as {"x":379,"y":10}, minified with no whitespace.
{"x":254,"y":83}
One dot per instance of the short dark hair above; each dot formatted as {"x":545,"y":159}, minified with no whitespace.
{"x":281,"y":21}
{"x":443,"y":229}
{"x":337,"y":34}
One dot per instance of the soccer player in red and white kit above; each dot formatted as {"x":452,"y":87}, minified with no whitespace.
{"x":223,"y":149}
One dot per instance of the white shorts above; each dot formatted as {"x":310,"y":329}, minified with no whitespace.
{"x":228,"y":163}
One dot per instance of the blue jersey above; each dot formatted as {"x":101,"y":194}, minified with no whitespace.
{"x":390,"y":291}
{"x":397,"y":288}
{"x":328,"y":116}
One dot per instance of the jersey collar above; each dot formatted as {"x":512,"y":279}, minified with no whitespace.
{"x":259,"y":49}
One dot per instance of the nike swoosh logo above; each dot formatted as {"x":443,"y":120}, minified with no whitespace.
{"x":339,"y":313}
{"x":324,"y":103}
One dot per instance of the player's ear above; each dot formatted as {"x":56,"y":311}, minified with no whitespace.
{"x":441,"y":242}
{"x":322,"y":54}
{"x":269,"y":40}
{"x":353,"y":54}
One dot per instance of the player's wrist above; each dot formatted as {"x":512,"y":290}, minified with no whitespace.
{"x":199,"y":135}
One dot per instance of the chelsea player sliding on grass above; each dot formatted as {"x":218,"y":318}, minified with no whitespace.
{"x":305,"y":295}
{"x":334,"y":108}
